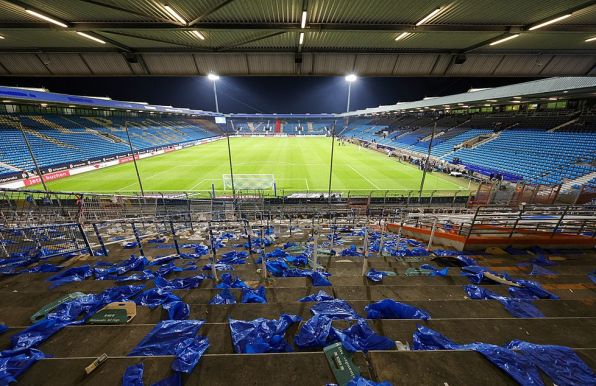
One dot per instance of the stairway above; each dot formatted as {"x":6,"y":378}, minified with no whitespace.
{"x":578,"y":181}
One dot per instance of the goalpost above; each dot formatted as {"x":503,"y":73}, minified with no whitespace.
{"x":249,"y":181}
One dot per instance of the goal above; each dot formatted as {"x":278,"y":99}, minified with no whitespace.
{"x":249,"y":181}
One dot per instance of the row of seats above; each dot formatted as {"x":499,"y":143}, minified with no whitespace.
{"x":56,"y":139}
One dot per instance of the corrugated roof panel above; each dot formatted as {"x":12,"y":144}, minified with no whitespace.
{"x":414,"y":64}
{"x":374,"y":64}
{"x":333,"y":64}
{"x":378,"y":11}
{"x":336,"y":40}
{"x":277,"y":64}
{"x":36,"y":39}
{"x":252,"y":11}
{"x":179,"y":38}
{"x":444,"y":40}
{"x":544,"y":40}
{"x":107,"y":63}
{"x":130,"y":39}
{"x":476,"y":65}
{"x":12,"y":13}
{"x":23,"y":64}
{"x":570,"y":65}
{"x":68,"y":10}
{"x":441,"y":65}
{"x":66,"y":64}
{"x":222,"y":63}
{"x":584,"y":16}
{"x":286,"y":40}
{"x":501,"y":12}
{"x":521,"y":65}
{"x":170,"y":64}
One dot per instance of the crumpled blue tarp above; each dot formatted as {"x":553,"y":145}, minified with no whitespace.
{"x":530,"y":290}
{"x":261,"y":335}
{"x":592,"y":276}
{"x":517,"y":366}
{"x":318,"y":279}
{"x":133,"y":375}
{"x":154,"y":297}
{"x":318,"y":297}
{"x":219,"y":267}
{"x":13,"y":364}
{"x":233,"y":257}
{"x":390,"y":309}
{"x":133,"y":263}
{"x":165,"y":337}
{"x":360,"y":337}
{"x":177,"y":284}
{"x":360,"y":381}
{"x":335,"y":309}
{"x":376,"y":276}
{"x":223,"y":297}
{"x":250,"y":295}
{"x":435,"y":271}
{"x":445,"y":252}
{"x":168,"y":268}
{"x":560,"y":363}
{"x":228,"y":281}
{"x":520,"y":308}
{"x":314,"y":333}
{"x":130,"y":245}
{"x":145,"y":275}
{"x":476,"y":274}
{"x":177,"y":310}
{"x":43,"y":268}
{"x":71,"y":275}
{"x":352,"y":250}
{"x":159,"y":260}
{"x":542,"y":260}
{"x":539,"y":270}
{"x":188,"y":353}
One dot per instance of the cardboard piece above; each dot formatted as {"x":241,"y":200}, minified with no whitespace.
{"x":43,"y":311}
{"x":341,"y":363}
{"x":115,"y":313}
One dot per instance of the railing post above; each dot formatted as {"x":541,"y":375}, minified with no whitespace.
{"x":104,"y":250}
{"x":213,"y":254}
{"x":174,"y":237}
{"x":137,"y":237}
{"x":85,"y":239}
{"x":263,"y":260}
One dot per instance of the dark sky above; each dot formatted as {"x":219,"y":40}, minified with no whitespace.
{"x":262,"y":94}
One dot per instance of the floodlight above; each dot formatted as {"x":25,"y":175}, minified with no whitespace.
{"x":351,"y":78}
{"x":429,"y":16}
{"x":303,"y":20}
{"x":198,"y":34}
{"x":91,"y":37}
{"x":212,"y":76}
{"x":401,"y":36}
{"x":301,"y":39}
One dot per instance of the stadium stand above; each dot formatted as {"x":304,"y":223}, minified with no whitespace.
{"x":59,"y":139}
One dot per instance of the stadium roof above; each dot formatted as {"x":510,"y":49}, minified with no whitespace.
{"x":553,"y":88}
{"x":262,"y":37}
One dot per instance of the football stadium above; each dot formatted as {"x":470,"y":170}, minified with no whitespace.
{"x":297,"y":192}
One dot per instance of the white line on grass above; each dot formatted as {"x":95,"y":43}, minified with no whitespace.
{"x":307,"y":188}
{"x":203,"y":180}
{"x":363,"y":176}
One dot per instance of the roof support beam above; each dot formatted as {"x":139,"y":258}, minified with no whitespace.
{"x":256,"y":39}
{"x":121,"y":9}
{"x":209,"y":12}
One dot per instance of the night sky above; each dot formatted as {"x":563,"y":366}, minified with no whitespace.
{"x":262,"y":94}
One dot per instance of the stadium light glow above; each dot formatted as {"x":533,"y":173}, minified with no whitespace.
{"x":174,"y":14}
{"x":83,"y":34}
{"x":2,"y":37}
{"x":351,"y":78}
{"x":504,"y":39}
{"x":401,"y":36}
{"x":301,"y":39}
{"x":46,"y":18}
{"x":212,"y":76}
{"x":303,"y":20}
{"x":429,"y":16}
{"x":198,"y":34}
{"x":549,"y":22}
{"x":590,"y":39}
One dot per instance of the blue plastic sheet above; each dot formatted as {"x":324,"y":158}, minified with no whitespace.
{"x":223,"y":297}
{"x":177,"y":310}
{"x":518,"y":367}
{"x":168,"y":268}
{"x":376,"y":276}
{"x":335,"y":309}
{"x":160,"y":260}
{"x":219,"y":267}
{"x":542,"y":260}
{"x":390,"y":309}
{"x":71,"y":275}
{"x":530,"y":290}
{"x":318,"y":279}
{"x":318,"y":297}
{"x":592,"y":276}
{"x":188,"y":353}
{"x":14,"y":364}
{"x":3,"y":329}
{"x":538,"y":270}
{"x":560,"y":363}
{"x":360,"y":381}
{"x":178,"y":284}
{"x":155,"y":297}
{"x":261,"y":335}
{"x":35,"y":334}
{"x":253,"y":296}
{"x":133,"y":263}
{"x":360,"y":337}
{"x":352,"y":250}
{"x":445,"y":252}
{"x":43,"y":268}
{"x":165,"y":337}
{"x":519,"y":308}
{"x":228,"y":281}
{"x":435,"y":271}
{"x":133,"y":375}
{"x":233,"y":257}
{"x":145,"y":275}
{"x":314,"y":333}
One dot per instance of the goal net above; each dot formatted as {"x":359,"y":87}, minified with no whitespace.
{"x":249,"y":181}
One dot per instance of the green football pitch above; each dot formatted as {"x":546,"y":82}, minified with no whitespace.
{"x":298,"y":164}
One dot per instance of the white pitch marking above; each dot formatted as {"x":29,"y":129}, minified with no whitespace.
{"x":363,"y":176}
